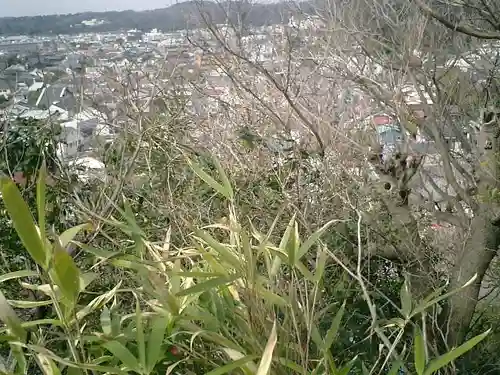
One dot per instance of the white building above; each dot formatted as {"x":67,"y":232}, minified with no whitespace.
{"x":70,"y":139}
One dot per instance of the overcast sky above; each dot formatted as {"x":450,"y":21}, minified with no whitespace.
{"x":16,"y":8}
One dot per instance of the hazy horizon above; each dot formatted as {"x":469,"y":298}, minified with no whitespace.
{"x":26,"y":8}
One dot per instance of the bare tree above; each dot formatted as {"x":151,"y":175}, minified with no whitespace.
{"x":441,"y":85}
{"x":433,"y":69}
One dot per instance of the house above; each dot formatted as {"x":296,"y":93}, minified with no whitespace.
{"x":15,"y":69}
{"x":53,"y":112}
{"x":5,"y":90}
{"x":46,"y":95}
{"x":87,"y":168}
{"x":35,"y":86}
{"x":70,"y":140}
{"x":6,"y":86}
{"x":388,"y":130}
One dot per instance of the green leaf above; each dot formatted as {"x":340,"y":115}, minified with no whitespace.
{"x":453,"y":354}
{"x":207,"y":285}
{"x":99,"y":253}
{"x":232,"y":366}
{"x":66,"y":274}
{"x":225,"y":181}
{"x":69,"y":234}
{"x":428,"y":302}
{"x":36,"y":323}
{"x":222,"y":250}
{"x":86,"y":366}
{"x":139,"y":334}
{"x":267,"y":356}
{"x":175,"y":280}
{"x":23,"y":222}
{"x":86,"y":279}
{"x":405,"y":297}
{"x":47,"y":365}
{"x":129,"y":216}
{"x":313,"y":239}
{"x":248,"y":368}
{"x":332,"y":333}
{"x":17,"y":275}
{"x":40,"y":199}
{"x":419,"y":351}
{"x":116,"y":324}
{"x":288,"y":244}
{"x":74,"y":371}
{"x":271,"y":297}
{"x":364,"y":370}
{"x":347,"y":368}
{"x":192,"y":274}
{"x":210,"y":180}
{"x":158,"y":329}
{"x":123,"y":354}
{"x":291,"y":365}
{"x":321,"y":259}
{"x":106,"y":321}
{"x":396,"y":366}
{"x":29,"y":304}
{"x":21,"y":362}
{"x":97,"y":302}
{"x":11,"y":320}
{"x":304,"y":271}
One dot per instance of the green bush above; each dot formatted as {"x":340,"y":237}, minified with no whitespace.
{"x":233,"y":302}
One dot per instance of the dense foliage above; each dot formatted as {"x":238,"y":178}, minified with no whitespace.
{"x":185,"y":284}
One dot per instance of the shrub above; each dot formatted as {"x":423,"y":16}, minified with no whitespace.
{"x":232,"y":302}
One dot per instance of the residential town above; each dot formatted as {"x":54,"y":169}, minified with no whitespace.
{"x":84,"y":82}
{"x":87,"y":83}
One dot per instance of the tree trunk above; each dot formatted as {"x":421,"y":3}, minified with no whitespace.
{"x":479,"y":250}
{"x":482,"y":241}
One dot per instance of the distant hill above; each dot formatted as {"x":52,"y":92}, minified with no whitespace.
{"x":176,"y":17}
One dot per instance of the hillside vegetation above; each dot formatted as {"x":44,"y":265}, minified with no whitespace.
{"x":337,"y":213}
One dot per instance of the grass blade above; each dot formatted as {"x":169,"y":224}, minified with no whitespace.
{"x":23,"y":222}
{"x":210,"y":180}
{"x":141,"y":343}
{"x":431,"y":302}
{"x":288,"y":245}
{"x":334,"y":329}
{"x":419,"y":351}
{"x":155,"y":341}
{"x":348,"y":367}
{"x":17,"y":275}
{"x":123,"y":354}
{"x":395,"y":368}
{"x":232,"y":366}
{"x":453,"y":354}
{"x":11,"y":320}
{"x":106,"y":321}
{"x":225,"y":180}
{"x":267,"y":356}
{"x":40,"y":199}
{"x":313,"y":239}
{"x":222,"y":250}
{"x":405,"y":297}
{"x":66,"y":275}
{"x":47,"y":365}
{"x":69,"y":235}
{"x":207,"y":285}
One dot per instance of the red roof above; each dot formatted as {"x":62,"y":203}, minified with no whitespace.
{"x":382,"y":119}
